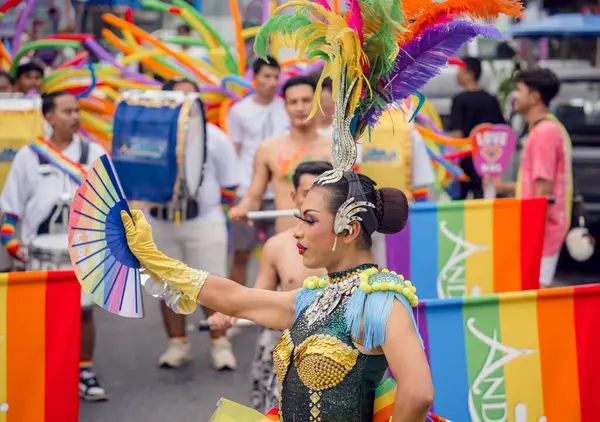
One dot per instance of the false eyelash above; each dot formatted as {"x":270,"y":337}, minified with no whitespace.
{"x":307,"y":221}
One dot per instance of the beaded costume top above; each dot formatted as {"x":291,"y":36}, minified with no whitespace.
{"x":324,"y":375}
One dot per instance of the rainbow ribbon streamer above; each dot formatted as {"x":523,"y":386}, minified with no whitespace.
{"x":54,"y":157}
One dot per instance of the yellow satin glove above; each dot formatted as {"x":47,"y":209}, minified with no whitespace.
{"x":183,"y":283}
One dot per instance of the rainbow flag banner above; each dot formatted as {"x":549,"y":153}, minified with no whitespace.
{"x":40,"y":317}
{"x":469,"y":248}
{"x":517,"y":357}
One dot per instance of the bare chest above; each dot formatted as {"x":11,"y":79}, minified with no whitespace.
{"x":291,"y":270}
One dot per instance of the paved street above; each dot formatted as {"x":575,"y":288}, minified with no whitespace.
{"x":127,"y":351}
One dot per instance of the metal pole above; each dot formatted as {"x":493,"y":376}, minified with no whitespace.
{"x":269,"y":215}
{"x":240,"y":323}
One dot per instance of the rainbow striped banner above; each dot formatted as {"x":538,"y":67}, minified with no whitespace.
{"x":465,"y":248}
{"x":40,"y":317}
{"x":515,"y":357}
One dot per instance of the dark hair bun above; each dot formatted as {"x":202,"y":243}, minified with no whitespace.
{"x":394,"y":210}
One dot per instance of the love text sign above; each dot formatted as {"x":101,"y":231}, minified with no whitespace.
{"x":493,"y":147}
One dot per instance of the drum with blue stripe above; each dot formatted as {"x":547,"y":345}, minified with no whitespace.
{"x":158,"y":146}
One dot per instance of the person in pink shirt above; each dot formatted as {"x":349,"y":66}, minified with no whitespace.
{"x":546,"y":166}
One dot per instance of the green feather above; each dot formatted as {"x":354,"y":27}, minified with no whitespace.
{"x":317,"y":55}
{"x":383,"y":20}
{"x":283,"y":24}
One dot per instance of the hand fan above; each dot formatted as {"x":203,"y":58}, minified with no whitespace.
{"x":102,"y":261}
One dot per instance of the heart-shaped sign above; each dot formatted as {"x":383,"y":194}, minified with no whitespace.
{"x":491,"y":153}
{"x":493,"y":147}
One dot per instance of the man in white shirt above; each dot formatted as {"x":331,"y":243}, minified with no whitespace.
{"x":200,"y":241}
{"x":256,"y":118}
{"x":324,"y":115}
{"x":33,"y":191}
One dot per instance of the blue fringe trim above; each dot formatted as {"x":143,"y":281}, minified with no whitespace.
{"x":304,"y":297}
{"x":373,"y":310}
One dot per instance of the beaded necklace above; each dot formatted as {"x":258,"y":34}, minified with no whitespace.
{"x":336,"y":287}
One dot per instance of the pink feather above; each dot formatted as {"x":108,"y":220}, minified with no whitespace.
{"x":323,"y":3}
{"x":354,"y":18}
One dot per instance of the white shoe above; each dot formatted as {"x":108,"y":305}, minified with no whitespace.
{"x":222,"y":355}
{"x":177,"y":354}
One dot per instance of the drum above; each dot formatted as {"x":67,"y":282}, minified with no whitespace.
{"x":159,"y":145}
{"x":23,"y":115}
{"x":50,"y":252}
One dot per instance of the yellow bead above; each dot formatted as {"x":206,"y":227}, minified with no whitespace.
{"x":384,"y":287}
{"x":373,"y":270}
{"x":398,"y":287}
{"x":405,"y":292}
{"x":376,"y":287}
{"x":305,"y":284}
{"x":401,"y":277}
{"x":413,"y":289}
{"x":385,"y":270}
{"x":408,"y":283}
{"x":365,"y":287}
{"x":311,"y":285}
{"x":364,"y":278}
{"x":322,"y":283}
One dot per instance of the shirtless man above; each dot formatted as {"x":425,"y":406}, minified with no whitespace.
{"x":280,"y":268}
{"x":277,"y":158}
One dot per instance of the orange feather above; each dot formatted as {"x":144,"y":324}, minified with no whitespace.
{"x":474,"y":9}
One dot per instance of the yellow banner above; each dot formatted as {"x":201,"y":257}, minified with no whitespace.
{"x":387,"y":158}
{"x":18,"y":127}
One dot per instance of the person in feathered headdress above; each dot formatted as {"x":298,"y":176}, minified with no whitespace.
{"x":342,"y":330}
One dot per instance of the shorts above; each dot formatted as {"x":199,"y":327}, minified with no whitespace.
{"x":265,"y":386}
{"x":197,"y":243}
{"x":548,"y":269}
{"x":244,"y":237}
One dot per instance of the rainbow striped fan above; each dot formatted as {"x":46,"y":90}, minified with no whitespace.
{"x":101,"y":259}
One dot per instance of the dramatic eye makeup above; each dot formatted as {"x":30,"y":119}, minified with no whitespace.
{"x":306,"y":217}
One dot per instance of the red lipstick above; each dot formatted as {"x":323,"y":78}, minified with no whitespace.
{"x":301,"y":249}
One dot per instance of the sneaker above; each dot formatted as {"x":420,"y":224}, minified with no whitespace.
{"x":89,"y":387}
{"x":177,"y":354}
{"x":222,"y":355}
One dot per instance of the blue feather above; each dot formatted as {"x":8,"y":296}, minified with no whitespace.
{"x":354,"y":312}
{"x":371,"y":312}
{"x":422,"y":100}
{"x":304,"y":297}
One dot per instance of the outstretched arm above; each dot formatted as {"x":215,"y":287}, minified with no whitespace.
{"x":266,"y":308}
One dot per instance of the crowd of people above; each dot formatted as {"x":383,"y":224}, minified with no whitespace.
{"x":269,"y":159}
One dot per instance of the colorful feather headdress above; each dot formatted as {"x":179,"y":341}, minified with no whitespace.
{"x":378,"y":53}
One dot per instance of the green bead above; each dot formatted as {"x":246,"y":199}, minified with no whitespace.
{"x":311,"y":285}
{"x":376,"y":286}
{"x":323,"y":282}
